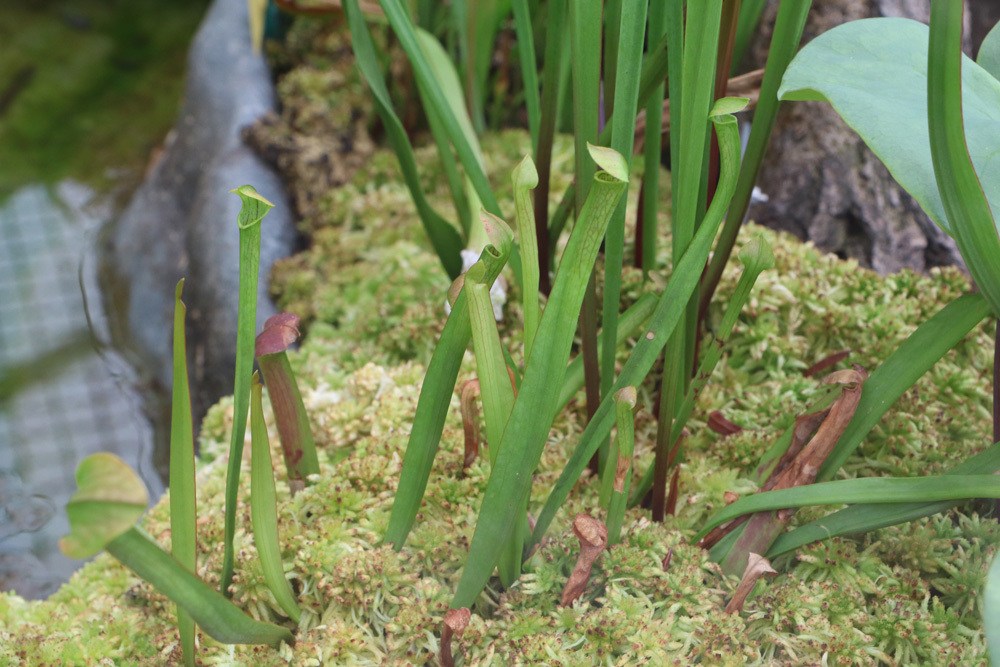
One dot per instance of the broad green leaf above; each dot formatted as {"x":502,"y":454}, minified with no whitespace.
{"x":108,"y":501}
{"x":874,"y":74}
{"x":989,"y":52}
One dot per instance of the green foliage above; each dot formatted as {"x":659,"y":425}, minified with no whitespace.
{"x":108,"y":501}
{"x":183,"y":506}
{"x":252,"y":211}
{"x":874,"y":74}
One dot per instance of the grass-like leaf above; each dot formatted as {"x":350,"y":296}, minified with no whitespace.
{"x":788,"y":27}
{"x":865,"y":518}
{"x":537,"y":403}
{"x":432,"y":406}
{"x":626,"y":86}
{"x":445,"y":238}
{"x":669,"y":311}
{"x":529,"y":72}
{"x":405,"y":31}
{"x":701,"y":39}
{"x":217,"y":616}
{"x":102,"y":513}
{"x":962,"y":195}
{"x":756,"y":257}
{"x":921,"y":350}
{"x":263,"y":508}
{"x":183,"y":510}
{"x":252,"y":211}
{"x":870,"y":490}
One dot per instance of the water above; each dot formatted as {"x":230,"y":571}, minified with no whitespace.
{"x":88,"y":91}
{"x":65,"y":392}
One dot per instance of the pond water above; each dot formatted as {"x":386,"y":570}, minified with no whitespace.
{"x":88,"y":91}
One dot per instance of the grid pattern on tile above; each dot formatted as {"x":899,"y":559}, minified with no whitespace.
{"x":85,"y":403}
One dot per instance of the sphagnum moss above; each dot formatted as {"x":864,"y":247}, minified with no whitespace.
{"x":856,"y":602}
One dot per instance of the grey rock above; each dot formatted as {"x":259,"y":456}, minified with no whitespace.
{"x":182,"y":220}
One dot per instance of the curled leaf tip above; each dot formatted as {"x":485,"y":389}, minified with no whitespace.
{"x":179,"y":289}
{"x":254,"y":207}
{"x":279,"y":333}
{"x":756,"y":255}
{"x":108,"y":501}
{"x":728,"y":105}
{"x":610,"y":160}
{"x":627,"y":395}
{"x":497,"y":230}
{"x":250,"y":192}
{"x":525,"y":174}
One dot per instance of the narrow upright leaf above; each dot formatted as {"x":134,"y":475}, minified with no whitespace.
{"x":254,"y":208}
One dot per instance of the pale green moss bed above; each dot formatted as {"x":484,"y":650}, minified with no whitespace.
{"x":372,"y":294}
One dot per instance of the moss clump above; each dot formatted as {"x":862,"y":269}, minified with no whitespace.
{"x":373,"y":295}
{"x":901,"y":595}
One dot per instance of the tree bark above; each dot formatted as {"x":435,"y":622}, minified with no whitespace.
{"x":821,"y":181}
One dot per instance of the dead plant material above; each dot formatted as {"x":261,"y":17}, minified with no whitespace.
{"x":730,"y":497}
{"x":718,"y":423}
{"x":593,"y":536}
{"x":665,"y":563}
{"x":814,"y":436}
{"x":671,"y":505}
{"x":826,"y":362}
{"x":470,"y":421}
{"x":757,"y":567}
{"x":804,"y":466}
{"x":455,"y":622}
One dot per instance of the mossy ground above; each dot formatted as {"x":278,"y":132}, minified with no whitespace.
{"x":373,"y":294}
